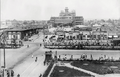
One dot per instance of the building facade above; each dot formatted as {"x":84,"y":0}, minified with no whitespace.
{"x":67,"y":18}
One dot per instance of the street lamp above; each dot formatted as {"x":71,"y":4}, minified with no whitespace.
{"x":3,"y":38}
{"x":0,"y":57}
{"x":4,"y":53}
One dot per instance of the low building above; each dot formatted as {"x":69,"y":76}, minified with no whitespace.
{"x":20,"y":33}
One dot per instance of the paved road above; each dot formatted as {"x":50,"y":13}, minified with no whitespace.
{"x":22,"y":63}
{"x":14,"y":56}
{"x":30,"y":68}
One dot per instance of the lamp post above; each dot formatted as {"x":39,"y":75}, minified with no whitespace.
{"x":4,"y":53}
{"x":0,"y":59}
{"x":2,"y":37}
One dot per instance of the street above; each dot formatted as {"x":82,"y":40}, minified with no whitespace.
{"x":21,"y":61}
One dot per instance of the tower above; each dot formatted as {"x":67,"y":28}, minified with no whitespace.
{"x":66,"y":10}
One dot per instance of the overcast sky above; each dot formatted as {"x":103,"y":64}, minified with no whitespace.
{"x":44,"y":9}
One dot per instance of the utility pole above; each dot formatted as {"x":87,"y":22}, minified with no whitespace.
{"x":4,"y":54}
{"x":0,"y":62}
{"x":0,"y":58}
{"x":3,"y":38}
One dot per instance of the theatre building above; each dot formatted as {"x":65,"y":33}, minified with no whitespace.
{"x":66,"y":17}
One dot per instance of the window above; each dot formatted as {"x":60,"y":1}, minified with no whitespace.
{"x":77,"y":36}
{"x":70,"y":37}
{"x":99,"y":37}
{"x":73,"y":37}
{"x":105,"y":37}
{"x":83,"y":36}
{"x":94,"y":36}
{"x":88,"y":36}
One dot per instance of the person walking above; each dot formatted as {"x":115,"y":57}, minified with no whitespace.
{"x":40,"y":44}
{"x":32,"y":56}
{"x":27,"y":46}
{"x":44,"y":63}
{"x":36,"y":59}
{"x":8,"y":74}
{"x":18,"y":75}
{"x":40,"y":75}
{"x":12,"y":73}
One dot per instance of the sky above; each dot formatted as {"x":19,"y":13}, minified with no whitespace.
{"x":44,"y":9}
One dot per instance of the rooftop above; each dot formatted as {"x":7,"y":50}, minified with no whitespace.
{"x":23,"y":28}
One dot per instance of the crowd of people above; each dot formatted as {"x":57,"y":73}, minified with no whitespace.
{"x":81,"y":45}
{"x":68,"y":57}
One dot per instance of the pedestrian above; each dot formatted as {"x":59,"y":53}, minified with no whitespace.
{"x":40,"y":44}
{"x":8,"y":74}
{"x":32,"y":56}
{"x":27,"y":46}
{"x":71,"y":57}
{"x":36,"y":59}
{"x":44,"y":63}
{"x":91,"y":57}
{"x":12,"y":73}
{"x":47,"y":63}
{"x":18,"y":75}
{"x":40,"y":75}
{"x":59,"y":56}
